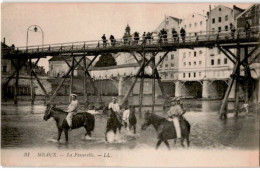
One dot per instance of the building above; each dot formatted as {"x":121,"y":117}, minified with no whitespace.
{"x":58,"y":67}
{"x":192,"y":62}
{"x":168,"y":69}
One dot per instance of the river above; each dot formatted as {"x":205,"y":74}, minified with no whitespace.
{"x":23,"y":127}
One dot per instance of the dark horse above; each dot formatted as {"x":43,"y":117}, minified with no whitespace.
{"x":131,"y":120}
{"x":113,"y":121}
{"x":81,"y":119}
{"x":165,"y":129}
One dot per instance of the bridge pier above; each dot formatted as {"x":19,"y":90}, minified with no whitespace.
{"x":205,"y":89}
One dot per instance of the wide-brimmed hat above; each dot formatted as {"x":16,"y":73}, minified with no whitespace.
{"x":73,"y":95}
{"x":176,"y":99}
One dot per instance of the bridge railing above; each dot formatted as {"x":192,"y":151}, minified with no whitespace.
{"x":153,"y":41}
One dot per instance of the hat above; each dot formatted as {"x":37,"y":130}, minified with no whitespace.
{"x":75,"y":95}
{"x":176,"y":99}
{"x":114,"y":98}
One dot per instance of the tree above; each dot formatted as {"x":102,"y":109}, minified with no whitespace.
{"x":105,"y":60}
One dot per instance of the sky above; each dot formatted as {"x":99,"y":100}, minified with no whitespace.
{"x":70,"y":22}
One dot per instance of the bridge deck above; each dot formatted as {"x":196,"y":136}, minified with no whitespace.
{"x":157,"y":44}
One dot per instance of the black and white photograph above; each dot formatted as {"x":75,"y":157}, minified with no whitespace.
{"x":130,"y":84}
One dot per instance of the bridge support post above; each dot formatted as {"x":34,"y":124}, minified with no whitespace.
{"x":31,"y":82}
{"x":178,"y":89}
{"x":153,"y":84}
{"x":16,"y":83}
{"x":120,"y":86}
{"x":237,"y":82}
{"x":71,"y":78}
{"x":85,"y":88}
{"x":205,"y":89}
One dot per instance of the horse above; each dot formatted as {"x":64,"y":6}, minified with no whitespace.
{"x":131,"y":120}
{"x":113,"y":122}
{"x":83,"y":119}
{"x":165,"y":129}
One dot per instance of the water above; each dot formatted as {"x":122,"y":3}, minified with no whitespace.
{"x":23,"y":127}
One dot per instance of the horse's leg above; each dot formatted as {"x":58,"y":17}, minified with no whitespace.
{"x":167,"y":144}
{"x":188,"y":140}
{"x":134,"y":129}
{"x":182,"y":144}
{"x":66,"y":135}
{"x":87,"y":132}
{"x":158,"y":143}
{"x":59,"y":134}
{"x":106,"y":134}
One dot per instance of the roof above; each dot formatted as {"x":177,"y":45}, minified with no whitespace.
{"x":115,"y":66}
{"x":176,"y":19}
{"x":59,"y":58}
{"x":245,"y":11}
{"x":237,"y":8}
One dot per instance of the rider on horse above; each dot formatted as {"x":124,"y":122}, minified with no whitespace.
{"x":176,"y":111}
{"x":72,"y":110}
{"x":115,"y":107}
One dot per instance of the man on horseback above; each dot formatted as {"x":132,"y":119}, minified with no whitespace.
{"x":72,"y":109}
{"x":115,"y":107}
{"x":175,"y":112}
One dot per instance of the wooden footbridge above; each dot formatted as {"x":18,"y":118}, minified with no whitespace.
{"x":148,"y":49}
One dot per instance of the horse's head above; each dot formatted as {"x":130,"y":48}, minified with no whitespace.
{"x":47,"y":114}
{"x":147,"y":120}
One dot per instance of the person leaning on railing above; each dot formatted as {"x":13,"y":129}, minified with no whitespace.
{"x":183,"y":34}
{"x":233,"y":30}
{"x":174,"y":35}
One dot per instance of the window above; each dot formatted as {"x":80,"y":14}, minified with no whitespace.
{"x":195,"y":24}
{"x":219,"y":9}
{"x":189,"y":63}
{"x":171,"y":75}
{"x":172,"y":56}
{"x":195,"y":34}
{"x":4,"y":68}
{"x":218,"y":61}
{"x":184,"y":54}
{"x":200,"y":22}
{"x":213,"y":30}
{"x":219,"y":19}
{"x":167,"y":22}
{"x":183,"y":75}
{"x":199,"y":73}
{"x":194,"y":63}
{"x":189,"y":74}
{"x":166,"y":58}
{"x":194,"y":74}
{"x":213,"y":20}
{"x":166,"y":65}
{"x":212,"y":62}
{"x":190,"y":25}
{"x":226,"y":28}
{"x":195,"y":53}
{"x":226,"y":18}
{"x":161,"y":66}
{"x":189,"y":54}
{"x":166,"y":75}
{"x":219,"y":29}
{"x":184,"y":63}
{"x":51,"y":67}
{"x":172,"y":65}
{"x":200,"y":52}
{"x":225,"y":61}
{"x":200,"y":62}
{"x":219,"y":52}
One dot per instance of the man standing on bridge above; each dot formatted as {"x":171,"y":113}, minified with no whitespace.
{"x":72,"y":110}
{"x":174,"y":113}
{"x":104,"y":40}
{"x":183,"y":34}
